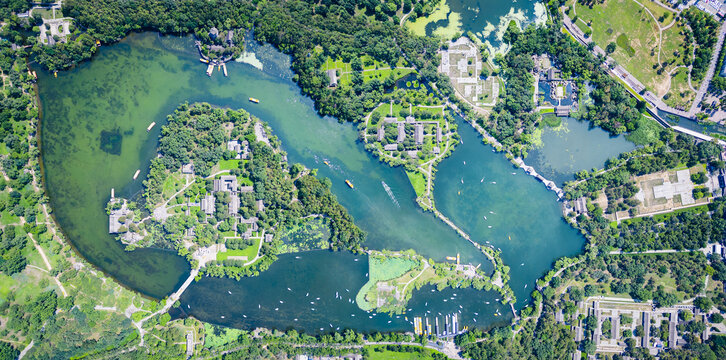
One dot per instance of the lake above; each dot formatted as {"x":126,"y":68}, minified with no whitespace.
{"x":94,"y":138}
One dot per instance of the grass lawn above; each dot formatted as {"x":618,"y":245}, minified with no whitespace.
{"x":220,"y":337}
{"x":173,"y":183}
{"x":379,"y":352}
{"x":6,"y":217}
{"x":250,"y":252}
{"x":417,"y":181}
{"x":228,"y":164}
{"x":636,"y":34}
{"x":3,"y":149}
{"x":680,"y":94}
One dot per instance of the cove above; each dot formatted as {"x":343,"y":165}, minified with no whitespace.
{"x":142,"y":79}
{"x":574,"y":146}
{"x":498,"y":205}
{"x":310,"y":303}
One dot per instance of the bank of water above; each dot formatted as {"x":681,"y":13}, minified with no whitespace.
{"x":299,"y":291}
{"x":499,"y":205}
{"x":574,"y":146}
{"x":94,"y":139}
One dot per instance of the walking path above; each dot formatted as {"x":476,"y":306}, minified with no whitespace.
{"x":426,"y":266}
{"x":26,"y":349}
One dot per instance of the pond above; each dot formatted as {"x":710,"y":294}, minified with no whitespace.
{"x":574,"y":146}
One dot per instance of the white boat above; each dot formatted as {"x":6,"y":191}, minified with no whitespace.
{"x":288,"y":289}
{"x":277,"y":309}
{"x":151,"y":126}
{"x":136,"y":174}
{"x":229,"y":292}
{"x":222,"y":317}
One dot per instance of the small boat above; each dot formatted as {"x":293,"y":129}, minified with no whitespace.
{"x":474,"y":320}
{"x":485,"y":217}
{"x":306,"y":294}
{"x":476,"y":313}
{"x":462,"y":180}
{"x":151,"y":126}
{"x":326,"y":162}
{"x":288,"y":289}
{"x":244,"y":316}
{"x":276,"y":309}
{"x":281,"y":302}
{"x":188,"y":306}
{"x":522,"y":264}
{"x":350,"y":184}
{"x":295,"y":319}
{"x":494,"y":182}
{"x":347,"y":290}
{"x":224,"y":68}
{"x":136,"y":174}
{"x":490,"y":226}
{"x":258,"y":306}
{"x":55,"y":73}
{"x":229,"y":292}
{"x":98,"y":43}
{"x":256,"y":101}
{"x":204,"y":61}
{"x":464,"y":162}
{"x":297,"y":257}
{"x":525,"y":286}
{"x":222,"y":317}
{"x":510,"y":237}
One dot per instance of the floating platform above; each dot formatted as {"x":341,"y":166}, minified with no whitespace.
{"x":254,"y":100}
{"x":136,"y":174}
{"x":151,"y":126}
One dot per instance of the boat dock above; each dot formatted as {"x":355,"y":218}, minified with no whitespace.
{"x":424,"y":327}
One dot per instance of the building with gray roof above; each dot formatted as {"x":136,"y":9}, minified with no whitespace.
{"x":207,"y":204}
{"x":226,"y":183}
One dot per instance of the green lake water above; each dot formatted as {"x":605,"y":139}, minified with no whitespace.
{"x":573,"y":147}
{"x":94,"y":138}
{"x":479,"y":15}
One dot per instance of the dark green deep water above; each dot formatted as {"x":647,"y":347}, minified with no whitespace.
{"x":94,"y":138}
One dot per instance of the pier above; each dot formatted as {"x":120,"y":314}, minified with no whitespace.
{"x":450,"y":328}
{"x":551,"y":185}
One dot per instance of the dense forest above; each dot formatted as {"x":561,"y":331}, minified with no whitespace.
{"x":198,"y":134}
{"x":704,"y":32}
{"x":310,"y":31}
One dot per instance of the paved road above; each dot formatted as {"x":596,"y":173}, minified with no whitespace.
{"x":709,"y":75}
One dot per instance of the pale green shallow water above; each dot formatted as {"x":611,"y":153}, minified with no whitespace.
{"x":131,"y":84}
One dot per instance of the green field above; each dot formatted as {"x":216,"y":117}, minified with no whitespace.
{"x":417,"y":181}
{"x":380,"y":352}
{"x":229,"y":164}
{"x":680,"y":94}
{"x":636,"y":34}
{"x":250,"y":252}
{"x":372,"y":69}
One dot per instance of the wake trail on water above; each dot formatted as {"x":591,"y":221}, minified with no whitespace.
{"x":390,"y":193}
